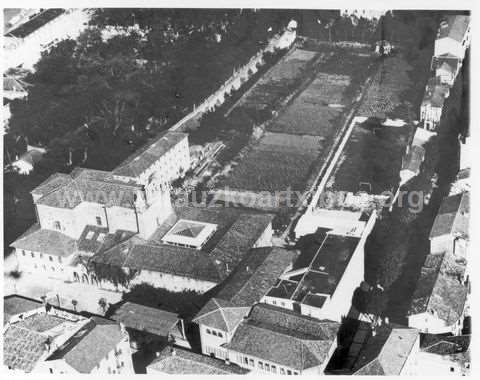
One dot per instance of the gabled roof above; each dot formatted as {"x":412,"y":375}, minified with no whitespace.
{"x":15,"y":304}
{"x":455,"y":27}
{"x":284,"y":337}
{"x":147,"y":155}
{"x":47,"y":242}
{"x":86,"y":185}
{"x":453,"y":216}
{"x":244,"y":287}
{"x":144,"y":318}
{"x":439,"y":289}
{"x":221,"y":314}
{"x":90,"y":344}
{"x":445,"y":345}
{"x":182,"y":362}
{"x":387,"y":352}
{"x":10,"y":83}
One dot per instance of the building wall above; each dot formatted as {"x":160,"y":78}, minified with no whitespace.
{"x":449,"y":45}
{"x":43,"y":264}
{"x":446,"y":77}
{"x":429,"y":323}
{"x":430,"y":115}
{"x":151,"y":218}
{"x":172,"y":282}
{"x":27,"y":51}
{"x":443,"y":243}
{"x":211,"y":343}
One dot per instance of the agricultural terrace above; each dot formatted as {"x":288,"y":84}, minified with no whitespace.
{"x":385,"y":96}
{"x":371,"y":160}
{"x":299,"y":140}
{"x":279,"y":81}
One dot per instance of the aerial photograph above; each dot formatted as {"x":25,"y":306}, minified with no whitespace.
{"x":236,"y":191}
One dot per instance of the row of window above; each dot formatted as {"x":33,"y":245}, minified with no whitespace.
{"x":267,"y":367}
{"x":214,"y":333}
{"x":24,"y":253}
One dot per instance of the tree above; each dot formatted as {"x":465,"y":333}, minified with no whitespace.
{"x":74,"y":303}
{"x":102,"y":302}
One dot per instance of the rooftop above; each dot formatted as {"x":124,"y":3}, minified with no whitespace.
{"x":324,"y":261}
{"x":144,"y":318}
{"x":150,"y":153}
{"x":235,"y":234}
{"x":453,"y":216}
{"x":300,"y":342}
{"x":16,"y":304}
{"x":86,"y":185}
{"x":455,"y":27}
{"x":439,"y":289}
{"x":48,"y":242}
{"x":435,"y":93}
{"x":189,"y":233}
{"x":182,"y":362}
{"x":36,"y":22}
{"x":90,"y":345}
{"x":387,"y":351}
{"x":244,"y":287}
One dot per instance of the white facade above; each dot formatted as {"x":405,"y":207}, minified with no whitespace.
{"x":51,"y":266}
{"x":27,"y":51}
{"x":430,"y":115}
{"x":172,"y":282}
{"x":440,"y":365}
{"x":428,"y":322}
{"x":212,"y":340}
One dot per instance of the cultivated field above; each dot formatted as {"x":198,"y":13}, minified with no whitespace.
{"x":279,"y":81}
{"x":316,"y":109}
{"x":384,"y":97}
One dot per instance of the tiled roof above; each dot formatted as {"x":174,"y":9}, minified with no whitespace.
{"x":14,"y":84}
{"x":22,"y":348}
{"x":87,"y":185}
{"x":453,"y":216}
{"x":221,"y":314}
{"x":244,"y":287}
{"x":144,"y":318}
{"x":456,"y":27}
{"x":284,"y":337}
{"x":90,"y":345}
{"x":235,"y":233}
{"x":47,"y":242}
{"x":36,"y":22}
{"x":236,"y":242}
{"x":387,"y":351}
{"x":439,"y":288}
{"x":16,"y":304}
{"x":183,"y":362}
{"x":445,"y":345}
{"x":146,"y":156}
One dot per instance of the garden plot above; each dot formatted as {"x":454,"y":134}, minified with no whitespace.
{"x":384,"y":96}
{"x":278,"y":162}
{"x":279,"y":81}
{"x":316,"y":110}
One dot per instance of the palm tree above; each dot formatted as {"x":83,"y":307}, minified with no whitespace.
{"x":74,"y":303}
{"x":103,"y":304}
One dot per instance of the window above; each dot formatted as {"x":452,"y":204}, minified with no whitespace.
{"x":57,"y":225}
{"x":99,"y":221}
{"x":274,"y":302}
{"x":109,"y":370}
{"x":295,"y":373}
{"x":267,"y":367}
{"x":289,"y":372}
{"x":282,"y":303}
{"x":35,"y":266}
{"x":452,"y":369}
{"x":245,"y":360}
{"x":53,"y":269}
{"x":208,"y":331}
{"x":59,"y":259}
{"x":41,"y":255}
{"x":274,"y":369}
{"x":251,"y":362}
{"x":260,"y":365}
{"x":33,"y":255}
{"x":23,"y":252}
{"x":50,"y":258}
{"x":282,"y":371}
{"x":220,"y":334}
{"x":51,"y":370}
